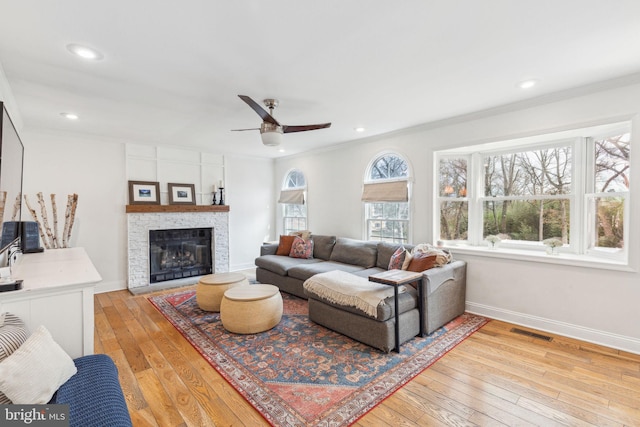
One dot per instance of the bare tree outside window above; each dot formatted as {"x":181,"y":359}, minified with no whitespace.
{"x":611,"y":178}
{"x":523,"y":194}
{"x":530,"y":190}
{"x":454,"y":208}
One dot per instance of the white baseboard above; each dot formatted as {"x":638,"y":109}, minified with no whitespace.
{"x":239,"y":267}
{"x":595,"y":336}
{"x":112,"y":285}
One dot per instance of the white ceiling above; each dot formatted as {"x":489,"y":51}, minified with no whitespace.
{"x":172,"y":70}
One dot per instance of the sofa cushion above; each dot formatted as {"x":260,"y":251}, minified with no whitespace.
{"x":33,"y":373}
{"x":281,"y":264}
{"x":397,"y":259}
{"x":355,"y":252}
{"x":421,"y":262}
{"x":323,"y":246}
{"x":304,"y":271}
{"x":385,"y":250}
{"x":301,"y":248}
{"x":284,"y":246}
{"x":13,"y":333}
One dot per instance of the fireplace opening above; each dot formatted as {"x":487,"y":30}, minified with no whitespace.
{"x":179,"y":253}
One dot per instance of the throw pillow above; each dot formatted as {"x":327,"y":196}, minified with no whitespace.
{"x":13,"y":333}
{"x":284,"y":246}
{"x":407,"y":260}
{"x":301,"y":248}
{"x":421,"y":262}
{"x":33,"y":373}
{"x":397,"y":259}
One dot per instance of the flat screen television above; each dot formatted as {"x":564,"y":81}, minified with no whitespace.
{"x":11,"y":163}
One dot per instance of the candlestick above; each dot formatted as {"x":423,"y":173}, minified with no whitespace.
{"x":221,"y":196}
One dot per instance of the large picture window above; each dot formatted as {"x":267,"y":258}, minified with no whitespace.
{"x":386,"y":199}
{"x":292,"y":198}
{"x":571,"y":186}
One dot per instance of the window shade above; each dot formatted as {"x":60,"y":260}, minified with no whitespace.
{"x":396,"y":191}
{"x":293,"y":197}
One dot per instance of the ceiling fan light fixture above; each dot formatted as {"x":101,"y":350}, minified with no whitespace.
{"x":271,"y":138}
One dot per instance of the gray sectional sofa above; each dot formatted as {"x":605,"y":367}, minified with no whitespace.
{"x":443,"y":289}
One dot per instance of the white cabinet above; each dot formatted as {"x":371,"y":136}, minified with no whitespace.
{"x":57,"y":292}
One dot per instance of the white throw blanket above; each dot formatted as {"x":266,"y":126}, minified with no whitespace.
{"x":350,"y":290}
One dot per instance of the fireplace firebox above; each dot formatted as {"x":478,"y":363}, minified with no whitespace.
{"x":179,"y":253}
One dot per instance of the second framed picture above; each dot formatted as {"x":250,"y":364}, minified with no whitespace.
{"x":182,"y":194}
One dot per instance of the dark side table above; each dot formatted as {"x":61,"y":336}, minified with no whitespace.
{"x":397,"y":278}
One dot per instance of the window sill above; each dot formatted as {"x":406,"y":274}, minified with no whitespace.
{"x":570,"y":259}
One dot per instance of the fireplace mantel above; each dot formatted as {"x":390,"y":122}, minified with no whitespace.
{"x":176,"y":208}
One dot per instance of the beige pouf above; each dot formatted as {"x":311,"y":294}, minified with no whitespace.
{"x":211,"y":288}
{"x":251,"y":309}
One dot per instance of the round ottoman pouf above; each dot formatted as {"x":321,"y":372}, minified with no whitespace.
{"x":251,"y":309}
{"x":211,"y":288}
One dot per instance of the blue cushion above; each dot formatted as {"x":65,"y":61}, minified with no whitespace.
{"x":94,"y":394}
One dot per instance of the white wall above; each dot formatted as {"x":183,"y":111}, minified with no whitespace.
{"x":591,"y":304}
{"x":249,"y":194}
{"x":95,"y":170}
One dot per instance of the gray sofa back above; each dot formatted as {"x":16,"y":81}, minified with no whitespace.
{"x":355,"y":252}
{"x":323,"y":246}
{"x":385,"y":250}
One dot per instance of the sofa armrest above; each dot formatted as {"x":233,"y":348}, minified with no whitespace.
{"x":268,"y":249}
{"x":443,"y":294}
{"x":94,"y":394}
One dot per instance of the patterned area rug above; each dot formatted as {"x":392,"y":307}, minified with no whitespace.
{"x":300,"y":373}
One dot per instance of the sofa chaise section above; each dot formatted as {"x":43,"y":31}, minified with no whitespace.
{"x":443,"y":288}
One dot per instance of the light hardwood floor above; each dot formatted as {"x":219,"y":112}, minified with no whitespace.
{"x":493,"y":378}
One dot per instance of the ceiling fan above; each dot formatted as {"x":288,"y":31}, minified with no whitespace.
{"x":271,"y":130}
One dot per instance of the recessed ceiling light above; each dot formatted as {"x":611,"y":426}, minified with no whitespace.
{"x":84,"y":52}
{"x":282,"y":150}
{"x":527,"y":84}
{"x":70,"y":116}
{"x":359,"y":129}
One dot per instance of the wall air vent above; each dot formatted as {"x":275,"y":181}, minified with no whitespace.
{"x":531,"y":334}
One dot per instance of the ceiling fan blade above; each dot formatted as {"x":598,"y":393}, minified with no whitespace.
{"x":258,"y":109}
{"x":302,"y":128}
{"x":239,"y":130}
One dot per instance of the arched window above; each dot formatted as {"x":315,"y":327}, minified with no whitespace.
{"x":292,"y":195}
{"x":386,"y":199}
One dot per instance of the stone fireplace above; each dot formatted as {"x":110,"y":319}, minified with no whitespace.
{"x":182,"y":222}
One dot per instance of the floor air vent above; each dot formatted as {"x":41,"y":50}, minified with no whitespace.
{"x":531,"y":334}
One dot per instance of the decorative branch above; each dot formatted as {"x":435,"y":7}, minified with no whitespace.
{"x":16,"y":207}
{"x":74,"y":203}
{"x":35,"y":217}
{"x":3,"y":198}
{"x":45,"y":222}
{"x":67,"y":215}
{"x":54,"y":209}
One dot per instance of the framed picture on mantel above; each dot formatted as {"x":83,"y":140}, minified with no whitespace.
{"x":182,"y":194}
{"x":144,"y":193}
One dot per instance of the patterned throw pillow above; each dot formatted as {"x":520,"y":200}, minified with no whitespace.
{"x":301,"y":248}
{"x":395,"y":263}
{"x":284,"y":247}
{"x":13,"y":333}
